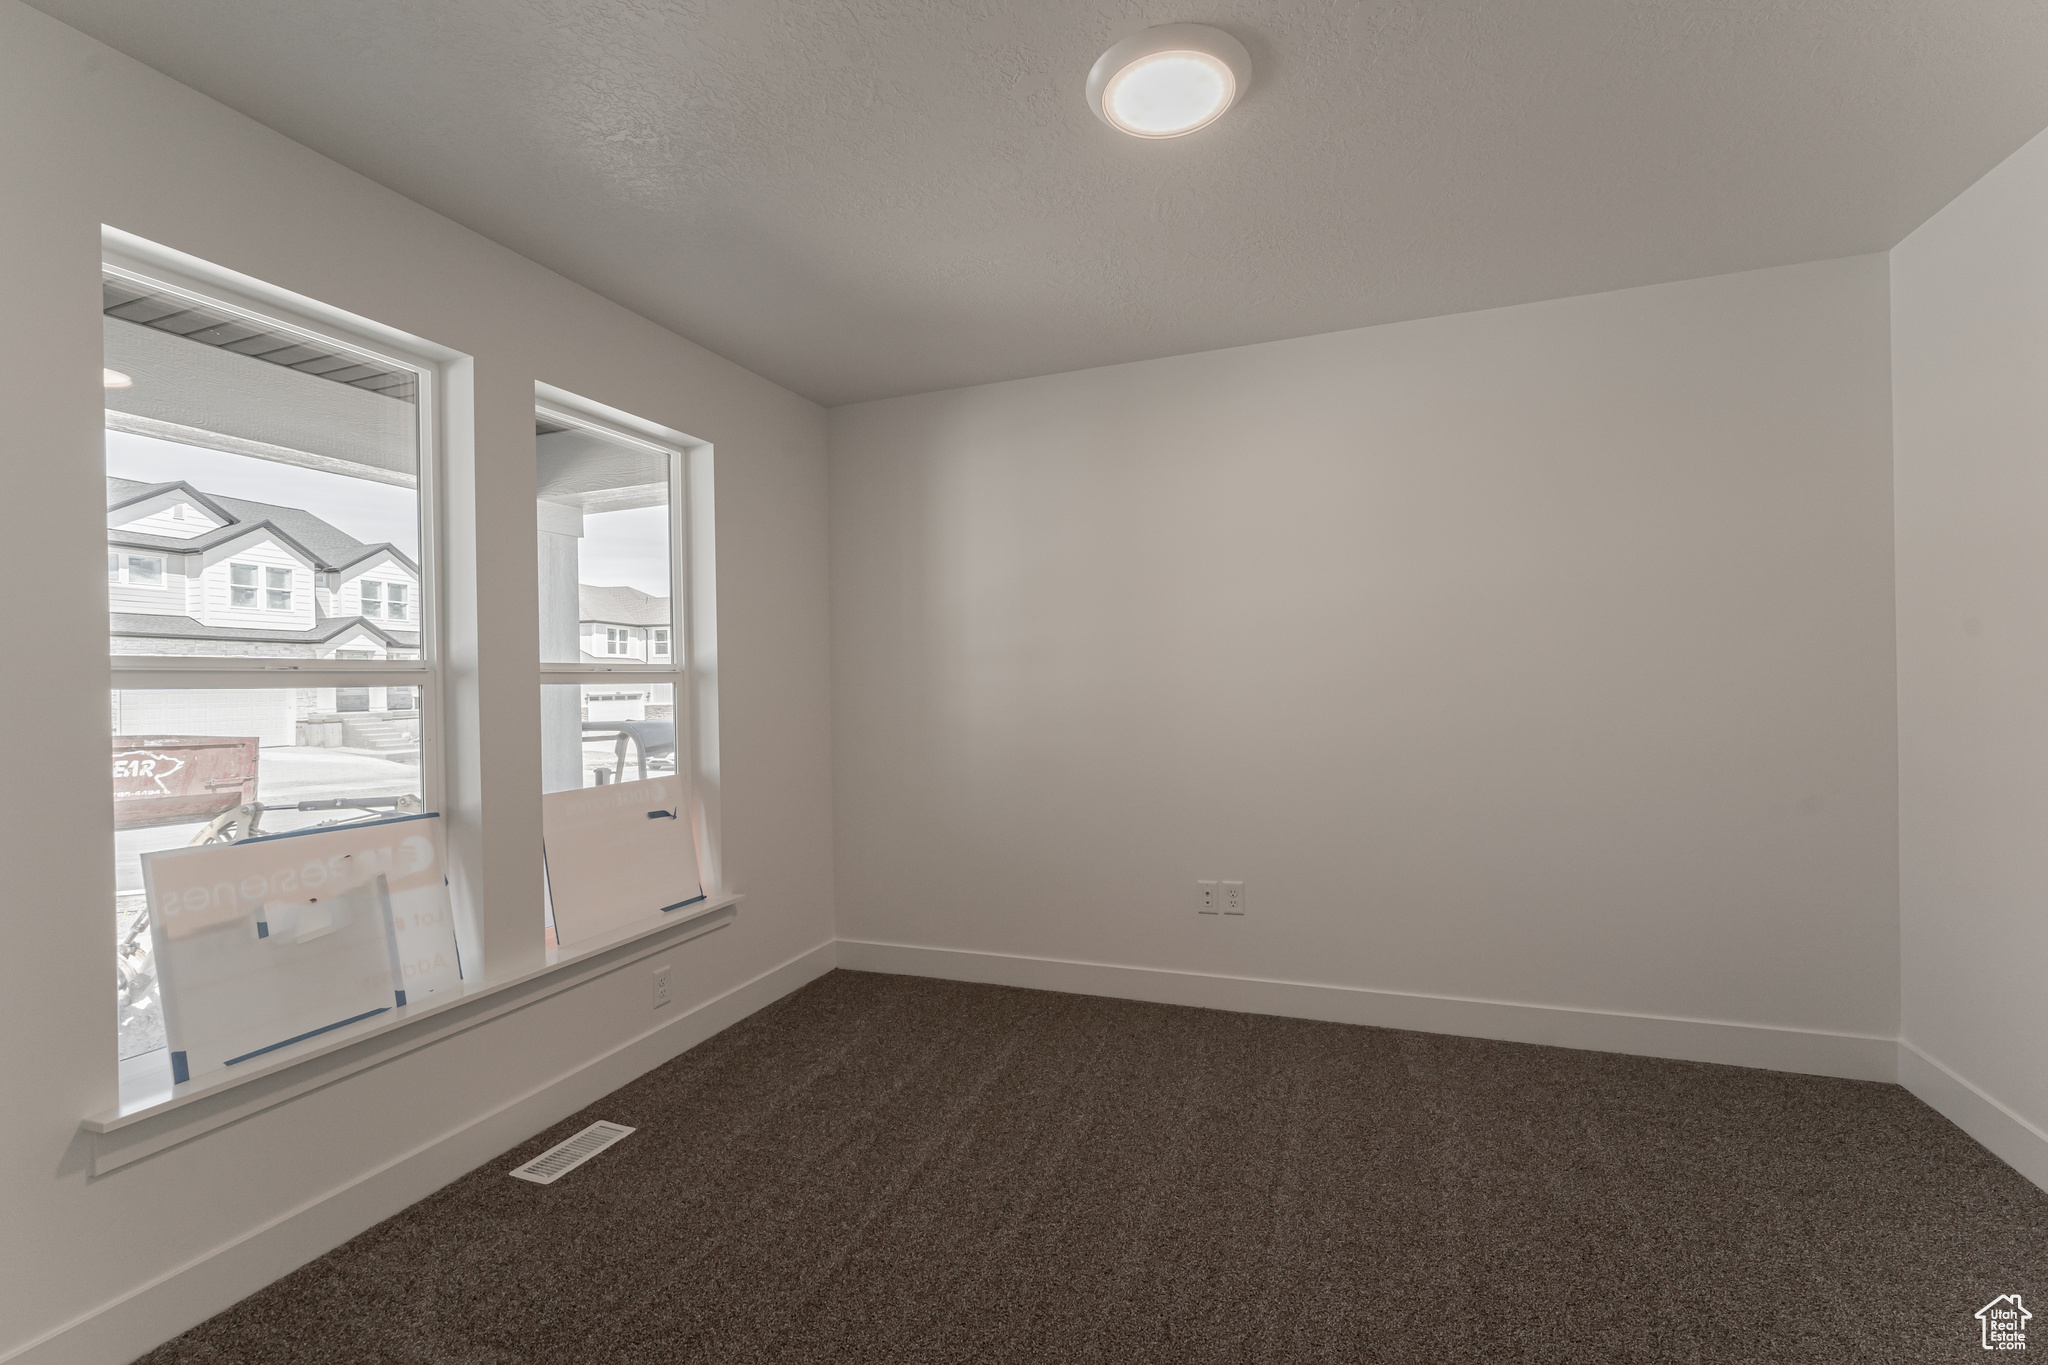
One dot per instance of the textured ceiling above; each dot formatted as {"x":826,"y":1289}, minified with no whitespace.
{"x":873,"y":197}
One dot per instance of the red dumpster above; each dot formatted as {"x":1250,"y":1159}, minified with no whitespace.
{"x":179,"y":779}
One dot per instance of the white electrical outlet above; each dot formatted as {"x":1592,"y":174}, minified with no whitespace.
{"x":1233,"y":898}
{"x":661,"y":985}
{"x":1206,"y":899}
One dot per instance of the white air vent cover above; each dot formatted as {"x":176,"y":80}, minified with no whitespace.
{"x":565,"y":1156}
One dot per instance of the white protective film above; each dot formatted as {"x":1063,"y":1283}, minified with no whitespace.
{"x":617,"y":855}
{"x":270,"y":941}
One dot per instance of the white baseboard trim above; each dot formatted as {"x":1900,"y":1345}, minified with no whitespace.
{"x":119,"y":1331}
{"x":1855,"y":1056}
{"x":2007,"y":1136}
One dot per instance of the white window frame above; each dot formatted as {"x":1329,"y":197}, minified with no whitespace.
{"x":254,"y":587}
{"x":395,"y":607}
{"x":141,"y":672}
{"x":364,"y":600}
{"x":122,"y":571}
{"x":271,"y":590}
{"x":691,"y":572}
{"x":658,"y":639}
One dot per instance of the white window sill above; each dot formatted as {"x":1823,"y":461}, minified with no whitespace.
{"x":153,"y":1114}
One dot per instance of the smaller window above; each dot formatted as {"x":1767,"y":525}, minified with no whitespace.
{"x":141,"y":571}
{"x":241,"y":585}
{"x":373,"y":598}
{"x":396,"y":594}
{"x":614,"y":640}
{"x":660,"y":642}
{"x":278,"y":589}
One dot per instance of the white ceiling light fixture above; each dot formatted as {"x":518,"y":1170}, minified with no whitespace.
{"x":114,"y":379}
{"x":1169,"y":81}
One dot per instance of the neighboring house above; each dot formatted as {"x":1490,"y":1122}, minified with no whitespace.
{"x":192,"y":573}
{"x":623,"y":625}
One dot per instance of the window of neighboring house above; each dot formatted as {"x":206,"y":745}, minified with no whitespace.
{"x":660,"y":637}
{"x":137,"y":571}
{"x":248,"y":745}
{"x":373,"y":598}
{"x":614,"y":640}
{"x":395,"y":596}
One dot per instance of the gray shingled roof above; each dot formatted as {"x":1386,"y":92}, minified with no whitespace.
{"x":148,"y":626}
{"x":621,"y":606}
{"x":328,"y":546}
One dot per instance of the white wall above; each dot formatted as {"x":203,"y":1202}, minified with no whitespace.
{"x":89,"y":137}
{"x":1539,"y":656}
{"x":1970,"y":387}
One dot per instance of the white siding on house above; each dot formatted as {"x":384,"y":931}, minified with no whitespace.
{"x":265,"y":553}
{"x":179,"y":518}
{"x":382,"y":570}
{"x":596,"y":645}
{"x":169,"y":600}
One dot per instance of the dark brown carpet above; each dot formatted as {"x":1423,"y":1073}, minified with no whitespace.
{"x":892,"y":1169}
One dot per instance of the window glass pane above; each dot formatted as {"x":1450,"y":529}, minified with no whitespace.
{"x":113,"y":566}
{"x":237,"y":446}
{"x":399,"y":604}
{"x":186,"y":761}
{"x":593,"y":733}
{"x":603,"y":520}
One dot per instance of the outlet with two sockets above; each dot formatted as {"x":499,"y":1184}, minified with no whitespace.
{"x":1219,"y":898}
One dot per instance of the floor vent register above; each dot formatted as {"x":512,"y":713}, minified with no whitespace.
{"x":566,"y":1155}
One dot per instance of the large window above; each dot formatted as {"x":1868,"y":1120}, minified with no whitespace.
{"x":258,"y":467}
{"x":612,"y":572}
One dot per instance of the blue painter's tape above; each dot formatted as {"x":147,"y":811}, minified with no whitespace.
{"x":180,"y":1073}
{"x":680,"y":904}
{"x":262,"y":926}
{"x":401,"y":998}
{"x":312,"y":1033}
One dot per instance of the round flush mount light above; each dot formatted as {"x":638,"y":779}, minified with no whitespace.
{"x":114,"y":379}
{"x":1169,"y":81}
